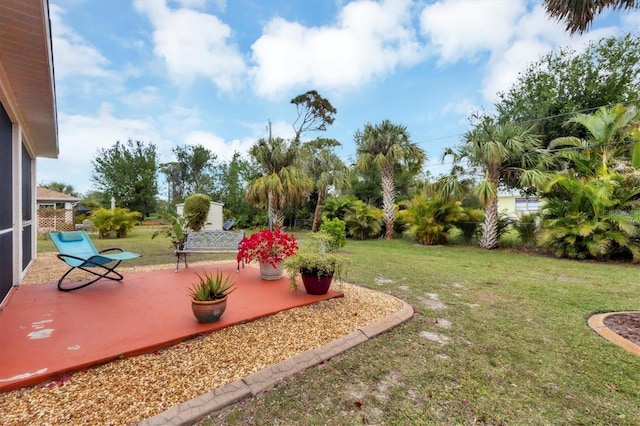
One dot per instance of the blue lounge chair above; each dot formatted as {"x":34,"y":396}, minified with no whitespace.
{"x":77,"y":250}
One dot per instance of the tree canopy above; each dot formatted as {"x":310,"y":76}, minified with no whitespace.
{"x":61,"y":187}
{"x":314,"y":113}
{"x":563,"y":83}
{"x":127,"y":172}
{"x":192,"y":172}
{"x":282,"y":182}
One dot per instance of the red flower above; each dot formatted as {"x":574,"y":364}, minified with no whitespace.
{"x":267,"y":246}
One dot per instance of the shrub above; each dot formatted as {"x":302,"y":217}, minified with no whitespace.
{"x":339,"y":206}
{"x":196,"y":210}
{"x":336,"y":229}
{"x":430,"y":219}
{"x":363,"y":221}
{"x":119,"y":220}
{"x":526,"y":227}
{"x":470,"y":228}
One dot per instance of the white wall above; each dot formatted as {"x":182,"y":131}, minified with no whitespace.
{"x":214,"y":219}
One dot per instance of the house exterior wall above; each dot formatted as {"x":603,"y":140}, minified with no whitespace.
{"x":515,"y":206}
{"x":507,"y":205}
{"x":28,"y":129}
{"x":215,"y":217}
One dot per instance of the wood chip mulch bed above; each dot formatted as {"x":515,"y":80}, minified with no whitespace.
{"x":131,"y":389}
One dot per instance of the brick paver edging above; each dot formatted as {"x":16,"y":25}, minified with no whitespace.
{"x":195,"y":409}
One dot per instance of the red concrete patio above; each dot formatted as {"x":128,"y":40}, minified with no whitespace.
{"x":45,"y":333}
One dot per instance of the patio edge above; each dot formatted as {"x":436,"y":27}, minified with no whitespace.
{"x":198,"y":408}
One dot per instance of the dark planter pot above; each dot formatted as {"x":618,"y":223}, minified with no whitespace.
{"x":209,"y":310}
{"x":315,"y":284}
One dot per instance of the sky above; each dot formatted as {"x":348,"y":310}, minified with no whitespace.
{"x":217,"y":72}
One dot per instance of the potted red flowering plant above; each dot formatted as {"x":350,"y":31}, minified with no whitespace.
{"x":269,"y":248}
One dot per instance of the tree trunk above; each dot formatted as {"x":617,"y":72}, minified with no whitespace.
{"x":275,"y":214}
{"x":388,"y":200}
{"x":489,"y":238}
{"x":278,"y":218}
{"x":318,"y":212}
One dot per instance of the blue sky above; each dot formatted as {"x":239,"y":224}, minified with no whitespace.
{"x":215,"y":72}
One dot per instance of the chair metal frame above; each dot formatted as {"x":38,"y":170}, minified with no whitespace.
{"x":77,"y":250}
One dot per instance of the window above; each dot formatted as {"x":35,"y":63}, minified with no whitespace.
{"x":527,"y":205}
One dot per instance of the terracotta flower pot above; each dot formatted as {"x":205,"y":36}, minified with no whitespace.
{"x":208,"y":310}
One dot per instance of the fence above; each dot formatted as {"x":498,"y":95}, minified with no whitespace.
{"x":50,"y":220}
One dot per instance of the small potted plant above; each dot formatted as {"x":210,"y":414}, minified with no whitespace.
{"x":316,"y":267}
{"x":177,"y":231}
{"x":269,"y":249}
{"x":209,"y":296}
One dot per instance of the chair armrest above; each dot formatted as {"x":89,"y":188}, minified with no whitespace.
{"x":111,"y":249}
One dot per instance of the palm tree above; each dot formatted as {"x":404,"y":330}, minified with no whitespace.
{"x":282,"y":180}
{"x":382,"y":147}
{"x":595,"y":200}
{"x":614,"y":135}
{"x":578,"y":14}
{"x":506,"y":154}
{"x":326,"y":169}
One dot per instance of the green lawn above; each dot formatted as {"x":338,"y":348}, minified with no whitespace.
{"x":154,"y":251}
{"x":519,"y":350}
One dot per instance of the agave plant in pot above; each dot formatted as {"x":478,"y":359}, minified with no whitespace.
{"x":316,"y":267}
{"x":209,"y":296}
{"x":269,"y":249}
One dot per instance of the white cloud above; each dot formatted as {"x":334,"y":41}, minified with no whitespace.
{"x":81,"y":137}
{"x":73,"y":55}
{"x":536,"y":35}
{"x":461,"y":29}
{"x":217,"y":145}
{"x":631,"y":21}
{"x":194,"y":44}
{"x":504,"y":68}
{"x":145,"y":96}
{"x":369,"y":40}
{"x":462,"y":108}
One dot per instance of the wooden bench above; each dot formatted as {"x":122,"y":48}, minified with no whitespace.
{"x":210,"y":241}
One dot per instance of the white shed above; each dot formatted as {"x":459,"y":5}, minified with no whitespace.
{"x":214,"y":220}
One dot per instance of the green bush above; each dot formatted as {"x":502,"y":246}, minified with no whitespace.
{"x":471,"y":229}
{"x":196,"y":210}
{"x":120,"y":221}
{"x":363,"y":221}
{"x":337,"y":230}
{"x":526,"y":227}
{"x":339,"y":206}
{"x":429,"y":220}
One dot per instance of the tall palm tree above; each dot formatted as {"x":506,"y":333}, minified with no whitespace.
{"x":282,"y":180}
{"x":326,"y":169}
{"x":578,"y":14}
{"x":382,"y":147}
{"x":506,"y":154}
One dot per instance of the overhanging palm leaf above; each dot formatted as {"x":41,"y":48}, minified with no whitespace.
{"x":578,"y":14}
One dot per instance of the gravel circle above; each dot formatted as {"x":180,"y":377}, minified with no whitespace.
{"x":131,"y":389}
